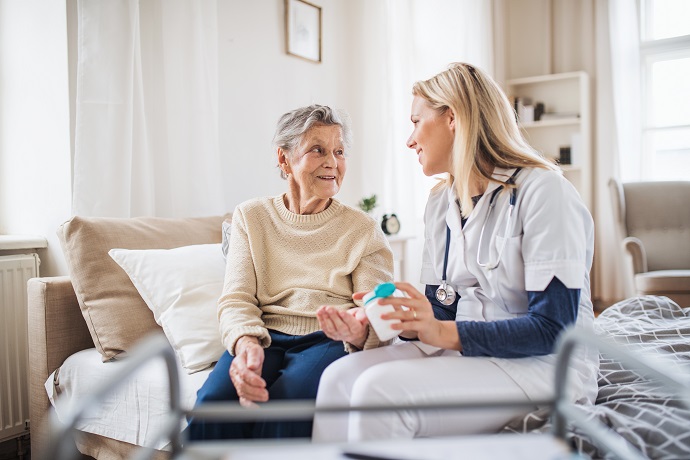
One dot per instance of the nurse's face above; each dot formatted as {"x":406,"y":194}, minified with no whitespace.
{"x":432,"y":137}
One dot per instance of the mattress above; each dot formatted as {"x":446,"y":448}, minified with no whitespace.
{"x":134,"y":413}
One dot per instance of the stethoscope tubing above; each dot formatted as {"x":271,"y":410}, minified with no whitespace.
{"x":444,"y":292}
{"x":511,"y":207}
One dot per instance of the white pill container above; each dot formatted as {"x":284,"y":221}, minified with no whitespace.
{"x":374,"y":311}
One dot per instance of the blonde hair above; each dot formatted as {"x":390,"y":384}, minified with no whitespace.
{"x":486,"y":131}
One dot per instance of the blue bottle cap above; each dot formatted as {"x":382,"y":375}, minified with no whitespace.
{"x":384,"y":290}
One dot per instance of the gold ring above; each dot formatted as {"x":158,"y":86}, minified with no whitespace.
{"x":414,"y":314}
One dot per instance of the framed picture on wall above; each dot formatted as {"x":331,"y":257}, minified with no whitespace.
{"x":303,"y":29}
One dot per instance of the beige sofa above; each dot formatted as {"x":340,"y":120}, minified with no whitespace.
{"x":97,"y":305}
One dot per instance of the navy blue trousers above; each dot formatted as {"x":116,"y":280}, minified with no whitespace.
{"x":293,"y":365}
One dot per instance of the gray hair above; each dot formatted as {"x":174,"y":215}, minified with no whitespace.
{"x":292,"y":126}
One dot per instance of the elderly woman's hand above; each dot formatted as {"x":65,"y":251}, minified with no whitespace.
{"x":245,"y":371}
{"x":419,"y":318}
{"x":349,"y":326}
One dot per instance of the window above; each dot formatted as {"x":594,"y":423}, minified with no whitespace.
{"x":665,"y":60}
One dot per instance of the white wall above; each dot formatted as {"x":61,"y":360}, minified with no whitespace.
{"x":259,"y":82}
{"x":34,"y":124}
{"x":546,"y":36}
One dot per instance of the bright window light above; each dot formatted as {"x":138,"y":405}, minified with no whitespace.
{"x":670,"y":92}
{"x":665,"y":52}
{"x":667,"y":154}
{"x":667,"y":18}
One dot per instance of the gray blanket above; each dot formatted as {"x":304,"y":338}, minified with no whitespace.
{"x":648,"y":417}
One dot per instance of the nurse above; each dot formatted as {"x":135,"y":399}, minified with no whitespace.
{"x":507,"y":253}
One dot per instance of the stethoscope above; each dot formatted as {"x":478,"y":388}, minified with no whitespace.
{"x":445,"y":293}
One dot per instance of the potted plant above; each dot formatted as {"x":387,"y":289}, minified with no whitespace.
{"x":367,"y":204}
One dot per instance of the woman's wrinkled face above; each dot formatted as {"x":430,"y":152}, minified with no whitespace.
{"x":317,"y":163}
{"x":432,"y":137}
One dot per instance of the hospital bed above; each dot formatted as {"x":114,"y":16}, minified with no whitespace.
{"x":566,"y":425}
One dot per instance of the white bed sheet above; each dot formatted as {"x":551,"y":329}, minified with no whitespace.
{"x":132,"y":414}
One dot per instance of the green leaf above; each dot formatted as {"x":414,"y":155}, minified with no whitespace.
{"x":366,"y":204}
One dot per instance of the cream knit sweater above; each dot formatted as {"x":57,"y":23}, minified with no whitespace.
{"x":281,"y":267}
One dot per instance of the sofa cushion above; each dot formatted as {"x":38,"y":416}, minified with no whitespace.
{"x":181,"y":286}
{"x":115,"y":313}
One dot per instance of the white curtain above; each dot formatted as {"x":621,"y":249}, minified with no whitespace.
{"x":625,"y":75}
{"x":617,"y":135}
{"x":422,"y":37}
{"x":146,"y":134}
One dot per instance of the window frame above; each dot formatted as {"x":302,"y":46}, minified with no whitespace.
{"x":651,"y":52}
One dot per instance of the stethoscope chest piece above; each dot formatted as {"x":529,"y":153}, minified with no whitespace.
{"x":445,"y":293}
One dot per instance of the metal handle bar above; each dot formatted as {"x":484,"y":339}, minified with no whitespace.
{"x":157,"y":345}
{"x":596,"y":430}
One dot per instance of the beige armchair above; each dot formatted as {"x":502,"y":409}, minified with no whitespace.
{"x":653,"y":220}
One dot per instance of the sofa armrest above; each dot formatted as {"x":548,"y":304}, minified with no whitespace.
{"x":56,"y":330}
{"x":634,"y":247}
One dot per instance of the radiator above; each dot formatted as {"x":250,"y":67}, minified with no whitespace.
{"x":15,"y":271}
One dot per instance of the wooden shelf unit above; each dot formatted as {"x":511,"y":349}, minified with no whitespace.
{"x":564,"y":93}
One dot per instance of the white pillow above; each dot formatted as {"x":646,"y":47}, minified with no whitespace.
{"x":181,"y":286}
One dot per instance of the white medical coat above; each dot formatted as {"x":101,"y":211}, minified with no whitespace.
{"x":551,"y":235}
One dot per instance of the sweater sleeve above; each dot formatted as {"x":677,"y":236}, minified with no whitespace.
{"x":238,"y":307}
{"x":549,"y":312}
{"x":375,"y":267}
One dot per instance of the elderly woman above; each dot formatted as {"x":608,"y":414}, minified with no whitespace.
{"x":293,"y":263}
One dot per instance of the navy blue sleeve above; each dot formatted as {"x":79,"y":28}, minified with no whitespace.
{"x":534,"y":334}
{"x":441,"y":312}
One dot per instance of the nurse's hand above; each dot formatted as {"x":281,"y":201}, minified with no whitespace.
{"x":419,"y":318}
{"x":245,"y":371}
{"x":349,"y":326}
